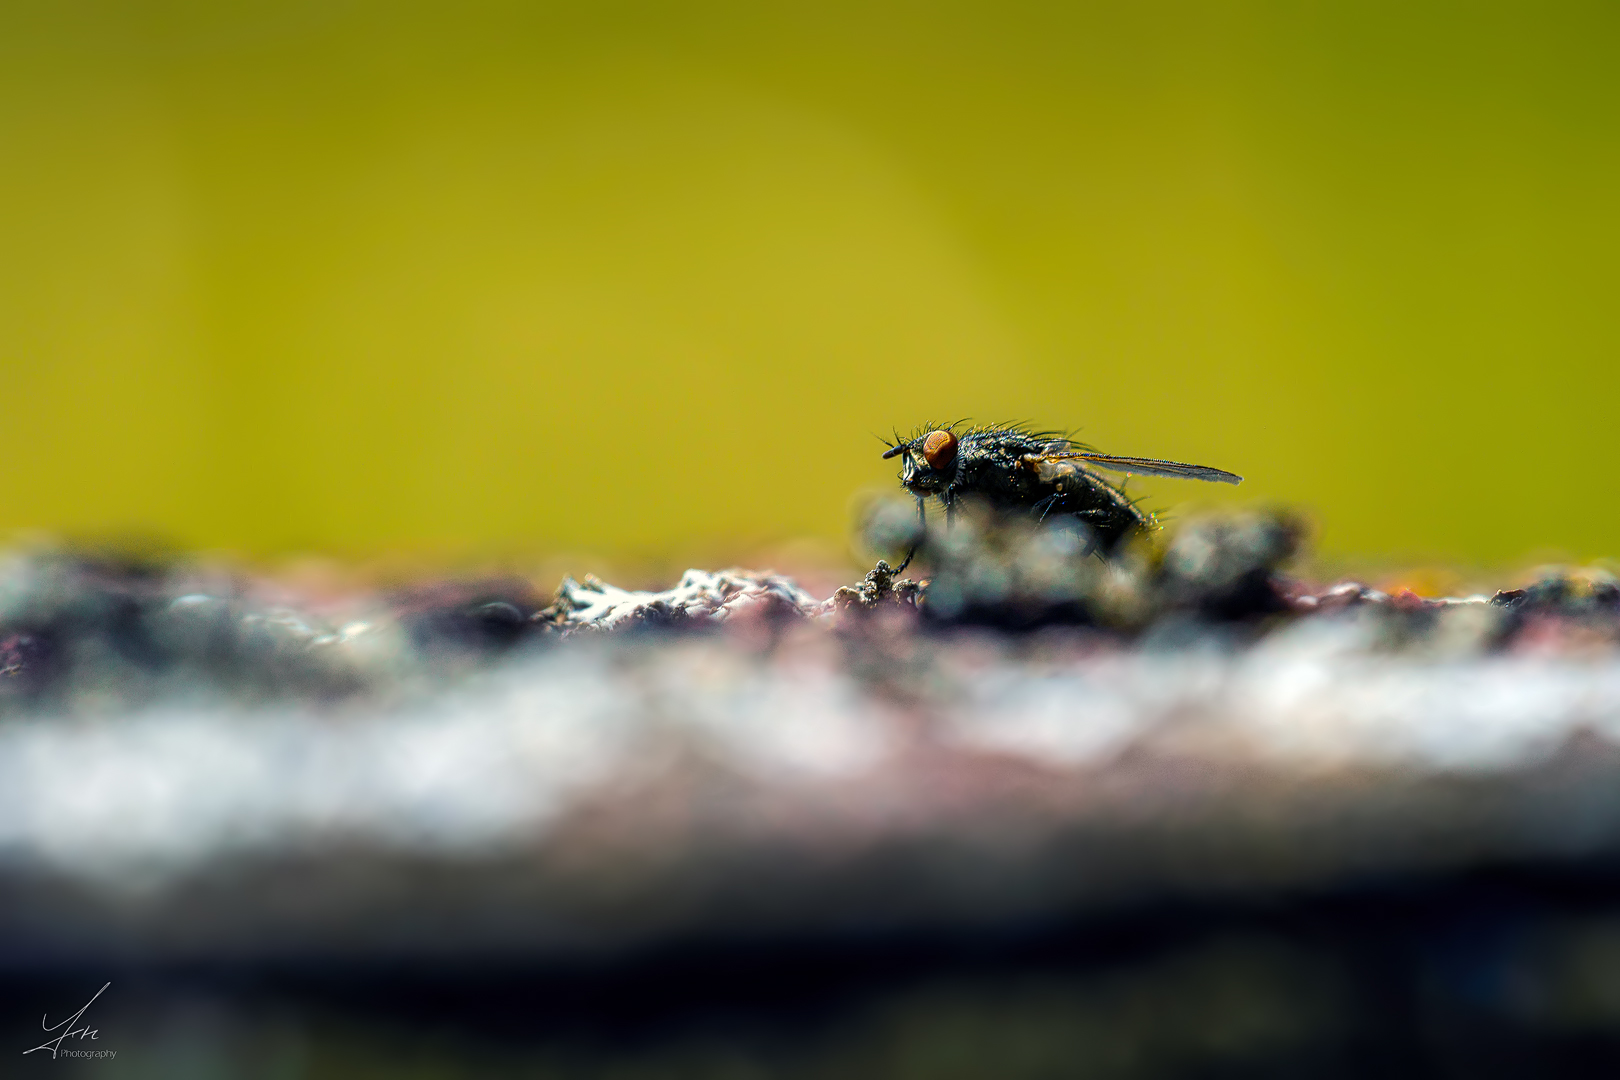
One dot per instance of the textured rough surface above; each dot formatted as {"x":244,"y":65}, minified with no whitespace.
{"x":1166,"y":813}
{"x":898,"y":752}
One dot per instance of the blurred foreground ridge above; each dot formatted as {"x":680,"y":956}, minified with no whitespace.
{"x":199,"y":774}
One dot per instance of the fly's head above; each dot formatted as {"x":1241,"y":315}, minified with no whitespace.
{"x":929,"y":461}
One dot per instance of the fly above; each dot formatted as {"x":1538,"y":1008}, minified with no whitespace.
{"x":1040,"y":472}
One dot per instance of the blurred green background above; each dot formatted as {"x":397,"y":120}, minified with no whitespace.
{"x":645,"y":279}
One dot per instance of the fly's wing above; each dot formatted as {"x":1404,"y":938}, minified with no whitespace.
{"x":1142,"y":466}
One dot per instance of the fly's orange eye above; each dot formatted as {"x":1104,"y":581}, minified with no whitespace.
{"x":939,"y":449}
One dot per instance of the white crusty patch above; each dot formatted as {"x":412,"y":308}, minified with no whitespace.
{"x":704,"y":595}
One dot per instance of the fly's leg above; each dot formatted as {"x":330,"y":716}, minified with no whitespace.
{"x":922,"y":530}
{"x":922,"y":527}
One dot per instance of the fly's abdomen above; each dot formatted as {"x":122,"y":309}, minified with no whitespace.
{"x":1075,"y":490}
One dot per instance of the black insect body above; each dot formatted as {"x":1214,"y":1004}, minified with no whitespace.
{"x":1041,"y":472}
